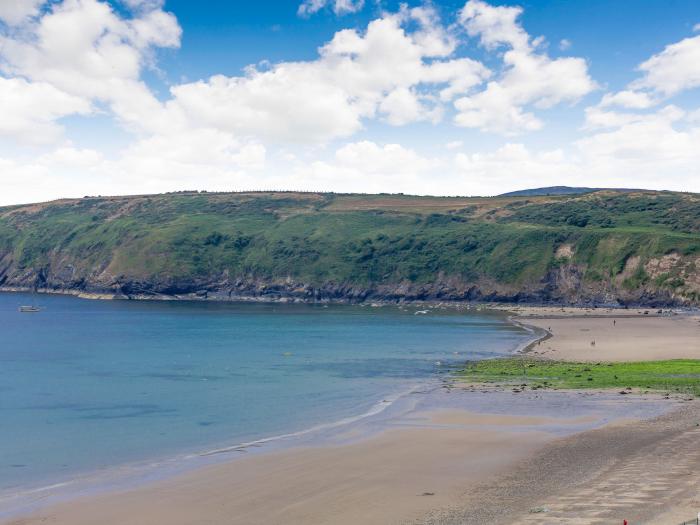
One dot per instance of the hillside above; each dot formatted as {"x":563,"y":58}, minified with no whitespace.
{"x":602,"y":247}
{"x":561,"y":190}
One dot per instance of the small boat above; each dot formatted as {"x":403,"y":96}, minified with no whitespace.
{"x":29,"y":309}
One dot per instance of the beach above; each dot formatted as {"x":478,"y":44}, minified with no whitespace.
{"x":428,"y":465}
{"x":458,"y":456}
{"x":613,"y":335}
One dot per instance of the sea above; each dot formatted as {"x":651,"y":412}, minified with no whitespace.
{"x":87,"y":386}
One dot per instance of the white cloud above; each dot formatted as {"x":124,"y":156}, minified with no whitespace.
{"x":194,"y":147}
{"x":601,"y":116}
{"x":675,"y":69}
{"x":67,"y":156}
{"x":144,"y":4}
{"x":370,"y":158}
{"x":494,"y":26}
{"x":529,"y":78}
{"x":403,"y":106}
{"x":14,"y":12}
{"x":649,"y":138}
{"x":694,"y":117}
{"x":665,"y":74}
{"x":29,"y":110}
{"x":383,"y":72}
{"x":366,"y":167}
{"x":564,"y":44}
{"x":513,"y":166}
{"x":597,"y":117}
{"x":83,"y":48}
{"x":273,"y":126}
{"x":340,"y":7}
{"x":628,"y":99}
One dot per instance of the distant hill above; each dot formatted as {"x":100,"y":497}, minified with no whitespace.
{"x":592,"y":248}
{"x":561,"y":190}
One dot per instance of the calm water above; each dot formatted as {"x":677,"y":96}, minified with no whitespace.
{"x":90,"y":384}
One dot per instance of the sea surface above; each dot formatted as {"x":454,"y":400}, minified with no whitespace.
{"x":89,"y":385}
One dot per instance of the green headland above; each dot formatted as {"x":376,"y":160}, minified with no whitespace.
{"x":639,"y":247}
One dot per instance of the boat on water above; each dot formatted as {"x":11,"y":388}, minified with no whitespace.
{"x":29,"y":309}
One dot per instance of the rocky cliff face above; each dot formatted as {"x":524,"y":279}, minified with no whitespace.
{"x":562,"y":285}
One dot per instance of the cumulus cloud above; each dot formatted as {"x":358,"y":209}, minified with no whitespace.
{"x":665,"y":74}
{"x":529,"y":78}
{"x":512,"y":165}
{"x":382,"y":72}
{"x":653,"y":137}
{"x":282,"y":125}
{"x":340,"y":7}
{"x":628,"y":99}
{"x":401,"y":69}
{"x":86,"y":50}
{"x":675,"y":69}
{"x":70,"y":157}
{"x":14,"y":12}
{"x":29,"y":110}
{"x":366,"y":166}
{"x":368,"y":157}
{"x":597,"y":117}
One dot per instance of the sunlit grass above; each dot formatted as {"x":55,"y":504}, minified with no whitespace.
{"x":678,"y":375}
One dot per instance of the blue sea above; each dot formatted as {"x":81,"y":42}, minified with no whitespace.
{"x":88,"y":385}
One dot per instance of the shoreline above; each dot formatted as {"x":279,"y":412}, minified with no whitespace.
{"x":135,"y":475}
{"x":528,"y":435}
{"x":221,"y":297}
{"x":426,"y":434}
{"x":144,"y":471}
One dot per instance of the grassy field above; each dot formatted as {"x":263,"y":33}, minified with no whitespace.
{"x":609,"y":243}
{"x":674,"y":376}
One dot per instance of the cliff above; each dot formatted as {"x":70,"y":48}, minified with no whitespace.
{"x":603,"y":247}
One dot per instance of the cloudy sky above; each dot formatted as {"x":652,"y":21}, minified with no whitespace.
{"x":449,"y":98}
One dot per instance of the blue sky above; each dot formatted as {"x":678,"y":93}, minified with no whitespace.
{"x":471,"y":97}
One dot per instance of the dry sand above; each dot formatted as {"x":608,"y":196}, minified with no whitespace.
{"x":614,"y":335}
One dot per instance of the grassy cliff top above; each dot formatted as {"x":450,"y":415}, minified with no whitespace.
{"x":608,"y":241}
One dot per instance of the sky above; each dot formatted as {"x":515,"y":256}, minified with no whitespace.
{"x":477,"y":97}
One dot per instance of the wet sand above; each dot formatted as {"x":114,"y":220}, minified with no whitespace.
{"x":644,"y":472}
{"x":421,"y":460}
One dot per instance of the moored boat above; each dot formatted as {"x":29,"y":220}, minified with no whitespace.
{"x":29,"y":309}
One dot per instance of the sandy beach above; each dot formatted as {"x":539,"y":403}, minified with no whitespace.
{"x":426,"y":466}
{"x":391,"y":478}
{"x":613,"y":335}
{"x":548,"y":457}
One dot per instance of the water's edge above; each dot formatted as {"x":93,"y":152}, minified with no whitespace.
{"x":126,"y":476}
